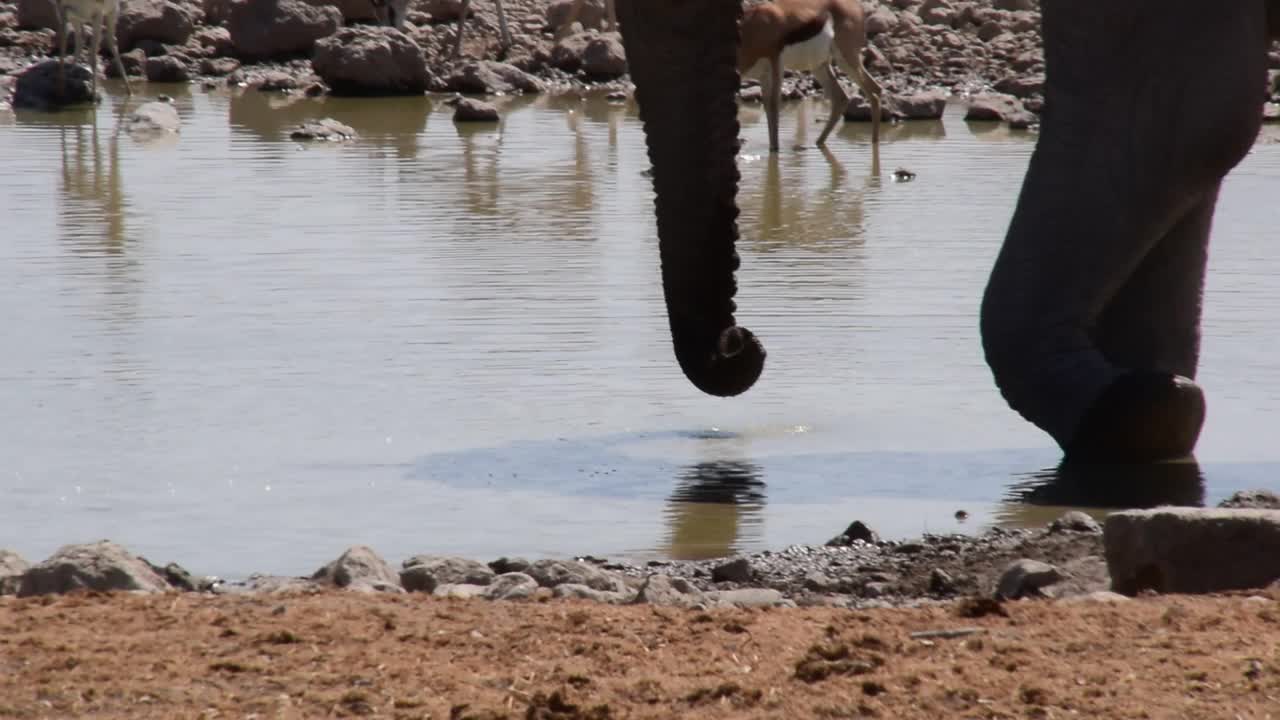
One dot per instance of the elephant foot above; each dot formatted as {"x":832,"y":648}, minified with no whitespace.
{"x":1143,"y":416}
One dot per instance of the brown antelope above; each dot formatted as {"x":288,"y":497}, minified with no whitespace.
{"x":807,"y":35}
{"x":392,"y":13}
{"x":101,"y":16}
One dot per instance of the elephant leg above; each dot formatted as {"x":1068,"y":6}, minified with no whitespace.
{"x":1148,"y":105}
{"x":682,"y":56}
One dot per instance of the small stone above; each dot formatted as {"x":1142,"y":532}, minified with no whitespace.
{"x":820,"y":582}
{"x":11,"y":568}
{"x":276,"y":81}
{"x":550,"y":573}
{"x":877,"y":589}
{"x":749,"y":598}
{"x":423,"y":573}
{"x":941,"y":583}
{"x":507,"y":565}
{"x":1025,"y":578}
{"x":358,"y":567}
{"x":582,"y":592}
{"x":512,"y":586}
{"x":1075,"y":521}
{"x":666,"y":590}
{"x":472,"y":110}
{"x":460,"y":591}
{"x":857,"y":531}
{"x":737,"y":570}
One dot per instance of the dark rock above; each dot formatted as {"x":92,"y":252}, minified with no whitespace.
{"x":737,"y":570}
{"x":161,"y":21}
{"x":266,"y":29}
{"x":371,"y":61}
{"x":506,"y":565}
{"x":472,"y":110}
{"x":215,"y":41}
{"x":925,"y":105}
{"x":37,"y":14}
{"x":37,"y":87}
{"x":423,"y":573}
{"x":275,"y":81}
{"x":1026,"y":578}
{"x":941,"y":583}
{"x":101,"y":566}
{"x":134,"y":62}
{"x":604,"y":57}
{"x":359,"y":568}
{"x":1192,"y":550}
{"x":326,"y":129}
{"x":857,"y":531}
{"x":167,"y":68}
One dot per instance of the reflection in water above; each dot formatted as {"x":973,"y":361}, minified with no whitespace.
{"x":715,"y":507}
{"x":390,"y":123}
{"x":823,"y":219}
{"x":92,"y":194}
{"x":1044,"y":495}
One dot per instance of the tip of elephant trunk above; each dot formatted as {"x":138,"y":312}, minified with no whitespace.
{"x":732,"y":368}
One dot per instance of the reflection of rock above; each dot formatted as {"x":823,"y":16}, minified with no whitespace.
{"x":263,"y":29}
{"x":371,"y":61}
{"x":37,"y":87}
{"x":1113,"y":486}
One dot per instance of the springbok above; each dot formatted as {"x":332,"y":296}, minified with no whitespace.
{"x":101,"y":15}
{"x":807,"y":35}
{"x":392,"y":13}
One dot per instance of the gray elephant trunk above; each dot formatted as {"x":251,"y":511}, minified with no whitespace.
{"x":682,"y":56}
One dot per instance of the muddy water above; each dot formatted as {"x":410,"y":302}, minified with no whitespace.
{"x":244,"y":353}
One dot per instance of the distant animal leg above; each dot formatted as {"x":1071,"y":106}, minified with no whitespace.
{"x":835,"y":94}
{"x":462,"y":24}
{"x":872,"y":91}
{"x":113,"y":16}
{"x":503,"y":32}
{"x":96,"y":28}
{"x":773,"y":98}
{"x":62,"y":50}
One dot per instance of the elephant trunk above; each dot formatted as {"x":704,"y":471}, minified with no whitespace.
{"x":682,"y":56}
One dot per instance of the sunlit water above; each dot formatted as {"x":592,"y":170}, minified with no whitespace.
{"x":245,"y":353}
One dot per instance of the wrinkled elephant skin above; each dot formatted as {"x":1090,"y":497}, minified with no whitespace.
{"x":683,"y":60}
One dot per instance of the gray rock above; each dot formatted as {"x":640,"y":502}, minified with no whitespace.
{"x":37,"y":87}
{"x":326,"y":129}
{"x":266,"y":29}
{"x":749,"y":598}
{"x":877,"y":589}
{"x":134,"y":62}
{"x":666,"y":590}
{"x":358,"y":566}
{"x":1192,"y":550}
{"x":941,"y":583}
{"x":1021,"y":86}
{"x":487,"y":77}
{"x":371,"y":61}
{"x":1075,"y":521}
{"x":215,"y":41}
{"x":11,"y":568}
{"x":217,"y":12}
{"x":881,"y":20}
{"x":424,"y":573}
{"x":604,"y":57}
{"x":859,"y":110}
{"x":103,"y":566}
{"x":460,"y":591}
{"x":506,"y":565}
{"x":1026,"y":578}
{"x":1255,"y":499}
{"x":179,"y":578}
{"x":820,"y":582}
{"x":568,"y":51}
{"x":472,"y":110}
{"x":152,"y":119}
{"x":737,"y":570}
{"x":511,"y":586}
{"x":167,"y":68}
{"x":275,"y":81}
{"x":550,"y":573}
{"x":999,"y":107}
{"x":159,"y":21}
{"x":582,"y":592}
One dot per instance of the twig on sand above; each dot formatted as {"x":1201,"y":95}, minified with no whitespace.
{"x":947,"y":634}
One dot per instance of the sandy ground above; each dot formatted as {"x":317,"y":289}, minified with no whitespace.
{"x":343,"y":654}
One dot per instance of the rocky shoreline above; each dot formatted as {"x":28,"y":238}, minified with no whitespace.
{"x":921,"y":50}
{"x":1233,"y":547}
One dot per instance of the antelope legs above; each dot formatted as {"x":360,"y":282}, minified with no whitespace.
{"x":462,"y":23}
{"x":839,"y":99}
{"x":110,"y":29}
